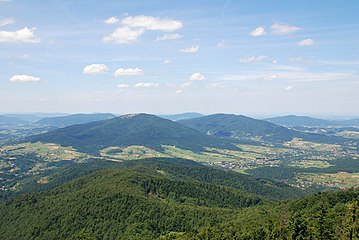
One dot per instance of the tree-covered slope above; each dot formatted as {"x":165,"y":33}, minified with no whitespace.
{"x":63,"y":121}
{"x":179,"y":169}
{"x":133,"y":129}
{"x":120,"y":204}
{"x":242,"y":127}
{"x":324,"y":216}
{"x":147,"y":201}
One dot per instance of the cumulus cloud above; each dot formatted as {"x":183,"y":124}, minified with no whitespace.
{"x":24,"y":78}
{"x":283,"y":29}
{"x":152,"y":23}
{"x":167,"y":61}
{"x":128,"y":72}
{"x":147,"y":85}
{"x":123,"y":85}
{"x":24,"y":35}
{"x":306,"y":42}
{"x":288,"y":88}
{"x":6,"y":21}
{"x":259,"y":31}
{"x":124,"y":35}
{"x":197,"y":77}
{"x":95,"y":69}
{"x":253,"y":59}
{"x":192,"y":49}
{"x":134,"y":26}
{"x":111,"y":20}
{"x":169,"y":36}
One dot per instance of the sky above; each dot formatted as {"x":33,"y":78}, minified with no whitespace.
{"x":255,"y":57}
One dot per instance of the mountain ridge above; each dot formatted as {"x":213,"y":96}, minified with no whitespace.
{"x":131,"y":129}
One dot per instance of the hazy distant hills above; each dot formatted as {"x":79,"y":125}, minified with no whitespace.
{"x":294,"y":121}
{"x":9,"y":121}
{"x":132,"y":129}
{"x":63,"y":121}
{"x":246,"y":128}
{"x":239,"y":126}
{"x":182,"y":116}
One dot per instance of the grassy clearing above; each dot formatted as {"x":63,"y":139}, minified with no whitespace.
{"x":348,"y":134}
{"x":264,"y":150}
{"x":310,"y":164}
{"x":49,"y":152}
{"x":339,"y":179}
{"x":305,"y":145}
{"x":130,"y":153}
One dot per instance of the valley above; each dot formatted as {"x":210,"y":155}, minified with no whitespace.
{"x":175,"y":169}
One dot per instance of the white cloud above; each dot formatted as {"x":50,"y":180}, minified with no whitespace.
{"x":6,"y":21}
{"x":179,"y":91}
{"x":111,"y":20}
{"x":169,"y":36}
{"x":259,"y":31}
{"x":197,"y":77}
{"x":128,"y":72}
{"x":221,"y":44}
{"x":24,"y":78}
{"x":167,"y":61}
{"x":306,"y":42}
{"x":192,"y":49}
{"x":283,"y":29}
{"x":271,"y":77}
{"x":253,"y":59}
{"x":147,"y":85}
{"x":25,"y":35}
{"x":95,"y":69}
{"x":288,"y":88}
{"x":186,"y":84}
{"x":295,"y":76}
{"x":152,"y":23}
{"x":123,"y":85}
{"x":124,"y":35}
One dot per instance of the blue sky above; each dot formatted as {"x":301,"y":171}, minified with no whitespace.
{"x":246,"y":57}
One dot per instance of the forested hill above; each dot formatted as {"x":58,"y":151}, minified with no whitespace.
{"x":239,"y":126}
{"x":120,"y":204}
{"x":246,"y":128}
{"x":144,"y":202}
{"x":324,"y":216}
{"x":132,"y":129}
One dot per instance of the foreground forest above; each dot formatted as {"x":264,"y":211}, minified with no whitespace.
{"x":174,"y":199}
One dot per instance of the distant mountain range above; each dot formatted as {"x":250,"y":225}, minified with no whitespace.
{"x":182,"y":116}
{"x":64,"y":121}
{"x":10,"y":122}
{"x":132,"y":129}
{"x":246,"y":128}
{"x":295,"y":121}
